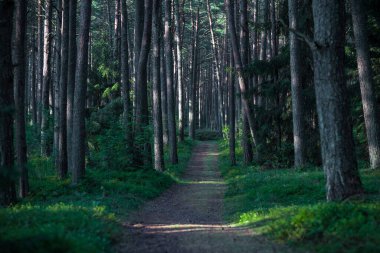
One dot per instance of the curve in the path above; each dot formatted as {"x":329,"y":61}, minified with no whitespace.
{"x":189,"y":216}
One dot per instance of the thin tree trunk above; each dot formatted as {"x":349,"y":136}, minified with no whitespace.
{"x":62,"y":145}
{"x":296,"y":87}
{"x":244,"y":50}
{"x":19,"y":95}
{"x":232,"y":108}
{"x":246,"y":99}
{"x":170,"y":87}
{"x":8,"y":186}
{"x":370,"y":107}
{"x":337,"y":144}
{"x":125,"y":83}
{"x":71,"y":77}
{"x":157,"y":113}
{"x":46,"y":79}
{"x":40,"y":57}
{"x":56,"y":85}
{"x":181,"y":93}
{"x":194,"y":72}
{"x":79,"y":127}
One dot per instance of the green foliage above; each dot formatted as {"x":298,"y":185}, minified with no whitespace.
{"x":56,"y":228}
{"x":289,"y":205}
{"x":207,"y":135}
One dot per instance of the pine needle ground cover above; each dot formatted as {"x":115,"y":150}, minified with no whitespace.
{"x":289,"y":206}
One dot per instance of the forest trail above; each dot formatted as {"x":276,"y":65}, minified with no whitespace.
{"x":189,"y":216}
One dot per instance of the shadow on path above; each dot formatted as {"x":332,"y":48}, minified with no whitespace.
{"x":189,"y":216}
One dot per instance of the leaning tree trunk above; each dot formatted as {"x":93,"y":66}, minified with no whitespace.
{"x":246,"y":98}
{"x":296,"y":87}
{"x":19,"y":95}
{"x":370,"y":107}
{"x":7,"y":187}
{"x":79,"y":127}
{"x":157,"y":113}
{"x":62,"y":143}
{"x":337,"y":143}
{"x":46,"y":77}
{"x":170,"y":86}
{"x":71,"y":77}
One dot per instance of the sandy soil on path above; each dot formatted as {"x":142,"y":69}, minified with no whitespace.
{"x":189,"y":216}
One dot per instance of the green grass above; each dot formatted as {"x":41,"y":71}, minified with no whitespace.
{"x":289,"y":206}
{"x":58,"y":217}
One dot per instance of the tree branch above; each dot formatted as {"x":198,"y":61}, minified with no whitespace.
{"x":312,"y":44}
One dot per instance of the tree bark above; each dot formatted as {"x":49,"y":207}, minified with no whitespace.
{"x":296,"y":87}
{"x":79,"y":127}
{"x":71,"y":77}
{"x":337,"y":144}
{"x":19,"y":95}
{"x":46,"y":77}
{"x":157,"y":113}
{"x":170,"y":87}
{"x":40,"y":57}
{"x":244,"y":50}
{"x":181,"y":93}
{"x":62,"y":145}
{"x":194,"y":74}
{"x":125,"y":76}
{"x":142,"y":115}
{"x":7,"y":187}
{"x":370,"y":108}
{"x":246,"y":99}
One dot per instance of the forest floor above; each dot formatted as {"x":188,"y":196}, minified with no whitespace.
{"x":189,"y":216}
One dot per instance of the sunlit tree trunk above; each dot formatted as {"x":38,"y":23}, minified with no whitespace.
{"x":296,"y":87}
{"x":157,"y":112}
{"x":370,"y":107}
{"x":170,"y":86}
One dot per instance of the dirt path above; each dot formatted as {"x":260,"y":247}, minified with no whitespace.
{"x":189,"y":216}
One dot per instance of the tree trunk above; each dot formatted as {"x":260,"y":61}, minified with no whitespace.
{"x":7,"y":187}
{"x":125,"y":83}
{"x":244,"y":50}
{"x":232,"y":108}
{"x":296,"y":87}
{"x":142,"y":115}
{"x":181,"y":93}
{"x":71,"y":77}
{"x":157,"y":113}
{"x":79,"y":128}
{"x":370,"y":109}
{"x":40,"y":57}
{"x":19,"y":96}
{"x":194,"y":73}
{"x":216,"y":63}
{"x":170,"y":87}
{"x":62,"y":145}
{"x":337,"y":144}
{"x":46,"y":79}
{"x":56,"y":85}
{"x":246,"y":99}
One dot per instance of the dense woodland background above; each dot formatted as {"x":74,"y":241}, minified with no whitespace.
{"x":101,"y":102}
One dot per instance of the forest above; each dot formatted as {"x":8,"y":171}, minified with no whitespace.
{"x":189,"y":126}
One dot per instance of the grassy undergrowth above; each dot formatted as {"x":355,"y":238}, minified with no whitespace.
{"x":289,"y":206}
{"x":58,"y":217}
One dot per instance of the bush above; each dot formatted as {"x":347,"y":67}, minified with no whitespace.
{"x":207,"y":135}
